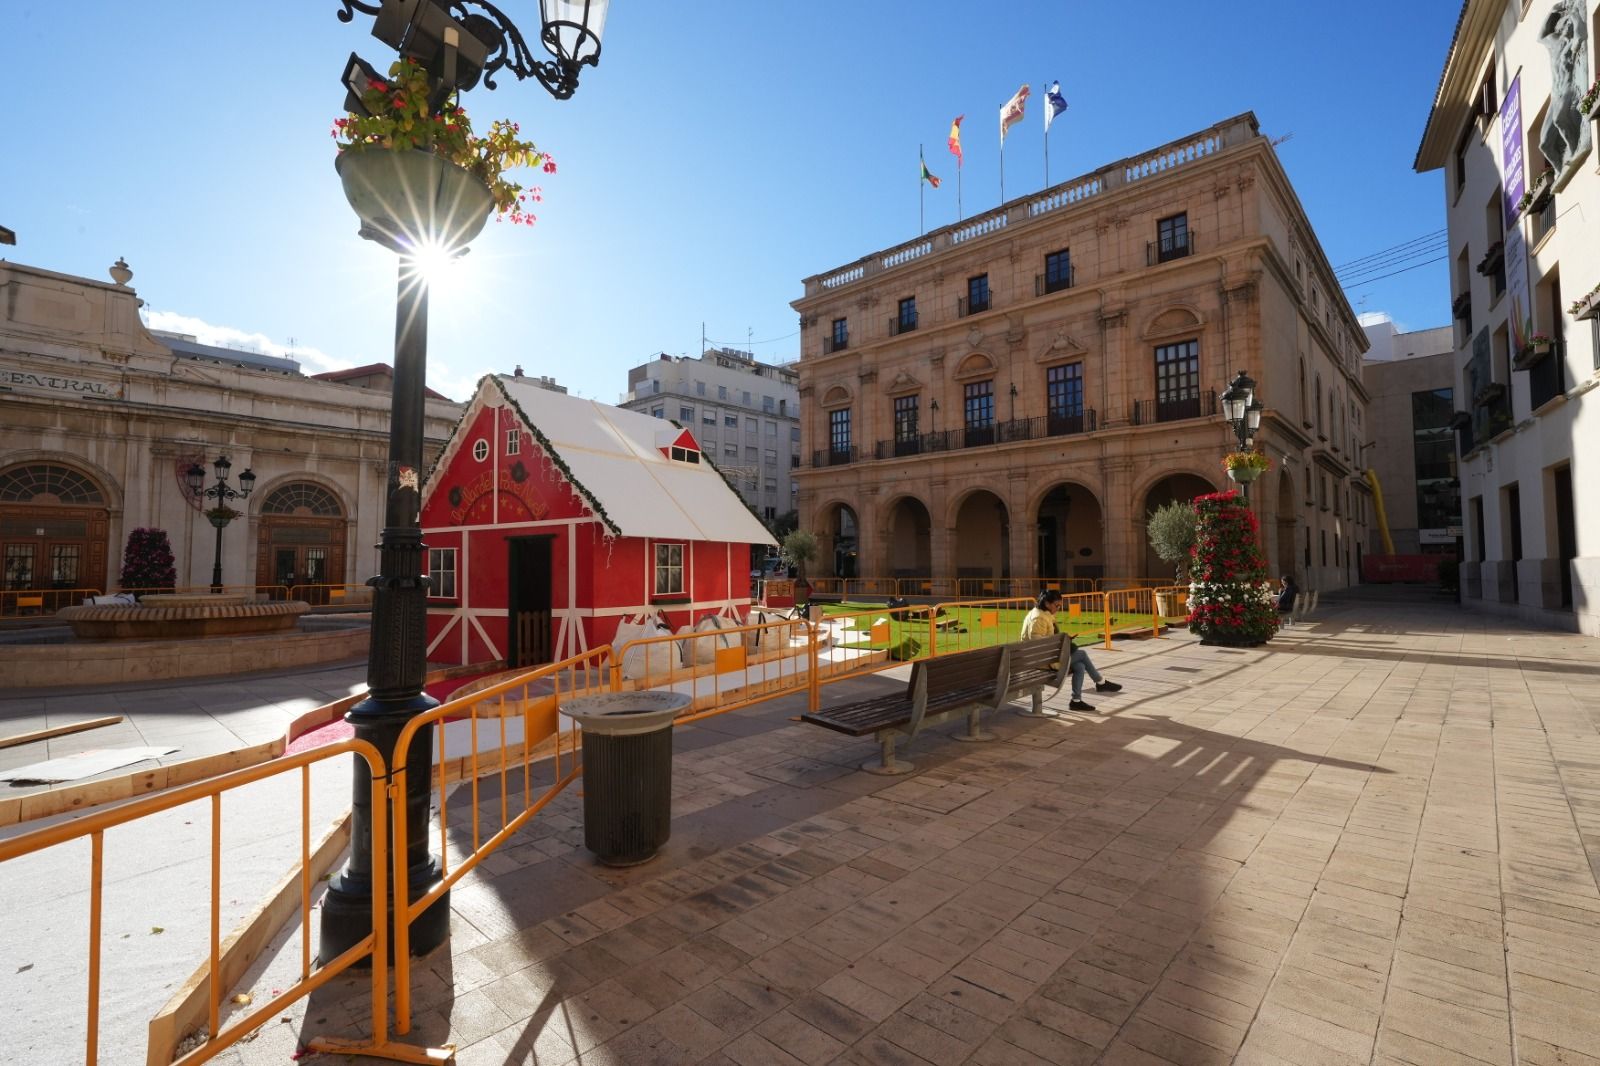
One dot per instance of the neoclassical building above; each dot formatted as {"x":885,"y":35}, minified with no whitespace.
{"x":1008,"y":397}
{"x":100,"y":418}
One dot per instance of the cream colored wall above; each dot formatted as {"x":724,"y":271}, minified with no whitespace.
{"x":1237,"y":294}
{"x":163,"y":408}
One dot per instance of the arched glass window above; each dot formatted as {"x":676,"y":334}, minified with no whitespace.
{"x":23,"y":484}
{"x":303,"y":498}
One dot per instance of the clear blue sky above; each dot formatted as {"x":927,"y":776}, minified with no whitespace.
{"x":721,"y":152}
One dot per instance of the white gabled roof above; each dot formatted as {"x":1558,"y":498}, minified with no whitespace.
{"x":616,"y":459}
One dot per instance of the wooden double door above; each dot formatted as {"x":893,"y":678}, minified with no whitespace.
{"x":44,"y":547}
{"x":294,"y":551}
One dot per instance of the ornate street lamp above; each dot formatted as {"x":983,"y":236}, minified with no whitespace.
{"x":457,"y":42}
{"x":1242,"y":411}
{"x":221,"y":514}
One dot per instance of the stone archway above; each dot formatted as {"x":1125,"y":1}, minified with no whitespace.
{"x":1069,"y":528}
{"x":1286,"y":546}
{"x":54,"y":527}
{"x":909,"y":537}
{"x":838,"y":542}
{"x":300,"y":539}
{"x":983,"y":536}
{"x":1172,"y":488}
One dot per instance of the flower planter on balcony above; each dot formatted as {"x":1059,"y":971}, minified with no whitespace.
{"x":1587,"y":307}
{"x":413,"y":199}
{"x":1533,"y":354}
{"x":1489,"y":394}
{"x":1461,"y":305}
{"x":1492,"y":258}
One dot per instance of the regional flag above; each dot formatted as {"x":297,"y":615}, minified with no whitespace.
{"x":955,"y":139}
{"x":1055,"y":103}
{"x":1011,"y":114}
{"x":927,"y":175}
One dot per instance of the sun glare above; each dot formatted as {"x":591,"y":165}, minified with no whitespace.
{"x":437,"y":265}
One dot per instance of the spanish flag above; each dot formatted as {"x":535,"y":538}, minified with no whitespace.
{"x":927,"y":175}
{"x":955,"y":139}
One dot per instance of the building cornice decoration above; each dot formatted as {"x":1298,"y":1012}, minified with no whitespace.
{"x":1113,"y":316}
{"x":974,"y":337}
{"x":868,"y":376}
{"x":1174,"y":320}
{"x":904,"y":382}
{"x":1062,"y":346}
{"x":836,"y":396}
{"x":975,"y":367}
{"x":808,"y":320}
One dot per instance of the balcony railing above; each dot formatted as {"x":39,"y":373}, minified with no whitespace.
{"x":965,"y":307}
{"x":834,"y":343}
{"x":1149,"y":412}
{"x":902,"y":323}
{"x":1007,"y":432}
{"x":1043,"y":284}
{"x":1166,"y":249}
{"x":834,"y":456}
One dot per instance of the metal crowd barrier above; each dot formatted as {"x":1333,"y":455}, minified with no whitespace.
{"x":16,"y":602}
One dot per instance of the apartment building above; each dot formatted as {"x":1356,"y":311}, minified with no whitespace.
{"x":1512,"y":133}
{"x":744,"y":413}
{"x":1010,"y":396}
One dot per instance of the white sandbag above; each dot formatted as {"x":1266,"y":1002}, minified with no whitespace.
{"x":653,"y":661}
{"x":702,"y":650}
{"x":771,"y":639}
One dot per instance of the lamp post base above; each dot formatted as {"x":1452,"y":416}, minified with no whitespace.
{"x":347,"y":906}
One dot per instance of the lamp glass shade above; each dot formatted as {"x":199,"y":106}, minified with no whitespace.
{"x":195,"y":476}
{"x":1252,"y":416}
{"x":572,"y":28}
{"x":222,"y":466}
{"x":247,"y":481}
{"x":1233,"y":405}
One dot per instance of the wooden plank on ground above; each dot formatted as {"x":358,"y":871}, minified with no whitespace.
{"x":58,"y":731}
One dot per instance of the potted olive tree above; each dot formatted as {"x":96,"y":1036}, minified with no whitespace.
{"x":801,"y":547}
{"x":1171,"y":529}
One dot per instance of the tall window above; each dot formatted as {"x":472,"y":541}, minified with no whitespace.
{"x":1178,"y":381}
{"x":686,"y":414}
{"x":906,"y":318}
{"x":978,"y":412}
{"x":977,"y":294}
{"x":513,"y":440}
{"x":905,"y":419}
{"x":839,"y":339}
{"x":1172,"y":237}
{"x":1064,"y":396}
{"x":442,"y":573}
{"x":1057,"y":270}
{"x":1433,"y":448}
{"x":839,"y":431}
{"x":669,"y":569}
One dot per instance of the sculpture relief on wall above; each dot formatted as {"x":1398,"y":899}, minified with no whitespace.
{"x":1566,"y":136}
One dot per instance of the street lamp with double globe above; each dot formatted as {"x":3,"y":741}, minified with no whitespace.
{"x":221,"y":514}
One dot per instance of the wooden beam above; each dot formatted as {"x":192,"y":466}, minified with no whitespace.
{"x":58,"y":731}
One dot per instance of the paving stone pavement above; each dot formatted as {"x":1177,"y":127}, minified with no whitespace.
{"x":1374,"y":840}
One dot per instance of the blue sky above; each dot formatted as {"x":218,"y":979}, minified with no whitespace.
{"x":721,"y":152}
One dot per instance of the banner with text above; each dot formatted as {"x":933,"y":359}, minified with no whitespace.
{"x":1513,"y":180}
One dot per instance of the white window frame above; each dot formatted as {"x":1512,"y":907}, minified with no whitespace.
{"x":667,"y":558}
{"x":480,"y":449}
{"x":513,"y":441}
{"x":444,"y":573}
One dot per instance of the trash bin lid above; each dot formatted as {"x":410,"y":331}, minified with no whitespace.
{"x":625,"y":713}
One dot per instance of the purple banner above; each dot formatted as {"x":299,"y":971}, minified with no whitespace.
{"x":1511,"y":170}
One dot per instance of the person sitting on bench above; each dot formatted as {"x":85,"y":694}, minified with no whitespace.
{"x":1041,"y":622}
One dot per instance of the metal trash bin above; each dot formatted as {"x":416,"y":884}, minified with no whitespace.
{"x":627,"y":772}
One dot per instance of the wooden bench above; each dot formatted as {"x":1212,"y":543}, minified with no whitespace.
{"x":944,"y":687}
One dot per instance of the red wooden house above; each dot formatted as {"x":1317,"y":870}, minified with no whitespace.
{"x":549,"y":518}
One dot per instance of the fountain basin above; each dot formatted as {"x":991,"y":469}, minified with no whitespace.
{"x":184,"y":620}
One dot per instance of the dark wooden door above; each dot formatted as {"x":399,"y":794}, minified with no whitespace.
{"x":529,"y":601}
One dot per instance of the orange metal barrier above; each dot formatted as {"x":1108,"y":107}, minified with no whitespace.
{"x":331,"y":595}
{"x":1123,"y":608}
{"x":16,"y":602}
{"x":274,"y":592}
{"x":374,"y":945}
{"x":1116,"y":584}
{"x":1175,"y":598}
{"x":539,"y":712}
{"x":730,"y":667}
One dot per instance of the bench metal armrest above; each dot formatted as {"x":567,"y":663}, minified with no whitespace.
{"x":919,"y":699}
{"x":1064,"y":667}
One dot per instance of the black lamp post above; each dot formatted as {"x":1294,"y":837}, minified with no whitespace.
{"x":221,"y":514}
{"x":456,"y":41}
{"x":1242,"y":411}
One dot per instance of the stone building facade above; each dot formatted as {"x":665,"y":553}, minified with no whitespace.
{"x":1411,"y":379}
{"x":744,"y":413}
{"x":99,"y":419}
{"x":1522,"y":201}
{"x":1008,"y":397}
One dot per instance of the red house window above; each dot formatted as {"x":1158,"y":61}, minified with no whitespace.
{"x":442,"y":572}
{"x":669,"y":570}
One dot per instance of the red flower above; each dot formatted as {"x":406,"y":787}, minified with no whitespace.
{"x":549,"y":166}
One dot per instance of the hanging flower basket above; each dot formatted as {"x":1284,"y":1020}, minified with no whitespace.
{"x":414,"y":199}
{"x":1536,"y":349}
{"x":1244,"y":467}
{"x":221,"y":516}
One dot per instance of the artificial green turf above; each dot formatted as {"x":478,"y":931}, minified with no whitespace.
{"x":1085,"y":628}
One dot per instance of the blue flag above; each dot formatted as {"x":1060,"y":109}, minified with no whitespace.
{"x":1056,"y":103}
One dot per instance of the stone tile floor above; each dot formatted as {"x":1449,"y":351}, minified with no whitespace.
{"x":1373,"y":841}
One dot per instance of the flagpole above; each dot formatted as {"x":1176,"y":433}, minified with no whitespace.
{"x":1047,"y":152}
{"x":922,"y":224}
{"x":1002,"y":165}
{"x":959,"y":215}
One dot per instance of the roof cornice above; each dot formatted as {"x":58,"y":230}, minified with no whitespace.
{"x":1454,"y":98}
